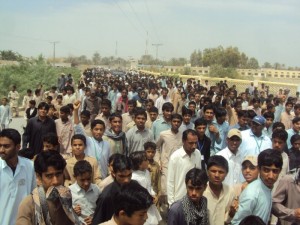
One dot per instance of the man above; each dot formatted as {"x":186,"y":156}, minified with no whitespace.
{"x":254,"y":140}
{"x":294,"y":130}
{"x":162,"y":100}
{"x":127,"y":117}
{"x":242,"y":123}
{"x":50,"y":201}
{"x":181,"y":161}
{"x":122,"y":171}
{"x":37,"y":127}
{"x":92,"y":104}
{"x":105,"y":113}
{"x":233,"y":156}
{"x":256,"y":198}
{"x":13,"y":97}
{"x":164,"y":121}
{"x":192,"y":208}
{"x":287,"y":116}
{"x":17,"y":177}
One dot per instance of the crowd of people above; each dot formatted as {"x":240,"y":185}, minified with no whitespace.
{"x":138,"y":149}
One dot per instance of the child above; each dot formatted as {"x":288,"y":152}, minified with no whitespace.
{"x":153,"y":115}
{"x":269,"y":116}
{"x":153,"y":167}
{"x":52,"y":113}
{"x":50,"y":142}
{"x":186,"y":120}
{"x":287,"y":116}
{"x":84,"y":193}
{"x":295,"y":152}
{"x":65,"y":131}
{"x":142,"y":176}
{"x":85,"y":117}
{"x":5,"y":114}
{"x":78,"y":143}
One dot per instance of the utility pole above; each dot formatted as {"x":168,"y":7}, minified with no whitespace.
{"x":116,"y":52}
{"x":146,"y":51}
{"x":54,"y":43}
{"x":157,"y":45}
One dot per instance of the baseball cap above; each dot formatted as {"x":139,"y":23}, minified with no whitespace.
{"x":252,"y":159}
{"x":259,"y":119}
{"x":234,"y":132}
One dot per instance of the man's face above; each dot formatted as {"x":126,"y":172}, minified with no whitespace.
{"x":221,"y":119}
{"x":105,"y":110}
{"x":288,"y":107}
{"x":48,"y":146}
{"x":296,"y":126}
{"x":149,"y":105}
{"x":269,"y":122}
{"x":167,"y":114}
{"x":269,"y":175}
{"x":130,"y":108}
{"x":209,"y":115}
{"x":216,"y":175}
{"x":84,"y":119}
{"x":297,"y":111}
{"x":190,"y":144}
{"x":153,"y":116}
{"x":234,"y":143}
{"x":296,"y":144}
{"x":122,"y":177}
{"x":140,"y":121}
{"x":84,"y":180}
{"x":137,"y":218}
{"x":8,"y":149}
{"x":63,"y":116}
{"x":78,"y":147}
{"x":176,"y":123}
{"x":201,"y":130}
{"x":164,"y":94}
{"x":98,"y":131}
{"x":194,"y":192}
{"x":52,"y":177}
{"x":187,"y":118}
{"x":116,"y":125}
{"x":243,"y":121}
{"x":278,"y":144}
{"x":249,"y":171}
{"x":42,"y":112}
{"x":197,"y":97}
{"x":192,"y":107}
{"x":124,"y":94}
{"x":256,"y":129}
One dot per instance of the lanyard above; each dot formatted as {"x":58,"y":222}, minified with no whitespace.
{"x":258,"y":145}
{"x":200,"y":147}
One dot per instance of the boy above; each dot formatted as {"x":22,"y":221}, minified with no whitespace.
{"x":242,"y":123}
{"x":256,"y":199}
{"x":219,"y":196}
{"x":153,"y":166}
{"x":133,"y":203}
{"x":31,"y":111}
{"x":85,"y":117}
{"x":78,"y":143}
{"x":128,"y":116}
{"x":49,"y":167}
{"x":223,"y":127}
{"x":193,"y":201}
{"x":84,"y":192}
{"x":287,"y":116}
{"x":50,"y":142}
{"x":269,"y":116}
{"x":105,"y":113}
{"x":65,"y":131}
{"x":27,"y":98}
{"x":95,"y":145}
{"x":295,"y":152}
{"x":153,"y":115}
{"x":5,"y":114}
{"x":13,"y":97}
{"x":186,"y":120}
{"x":163,"y":123}
{"x":294,"y":130}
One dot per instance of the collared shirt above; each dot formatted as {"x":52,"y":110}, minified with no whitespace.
{"x":137,"y":138}
{"x":159,"y":103}
{"x":213,"y":138}
{"x":223,"y":131}
{"x":218,"y":207}
{"x":235,"y":169}
{"x":126,"y":119}
{"x":69,"y":99}
{"x":104,"y":119}
{"x":179,"y":164}
{"x":86,"y":199}
{"x":256,"y":200}
{"x":65,"y":132}
{"x":158,"y":126}
{"x":154,"y":170}
{"x":252,"y":145}
{"x":185,"y":127}
{"x":14,"y":188}
{"x":286,"y":119}
{"x":290,"y":132}
{"x":97,"y":149}
{"x":110,"y":222}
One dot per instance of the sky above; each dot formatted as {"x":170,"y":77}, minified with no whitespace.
{"x":268,"y":30}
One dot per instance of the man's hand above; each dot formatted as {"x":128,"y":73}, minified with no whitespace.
{"x":88,"y":220}
{"x":77,"y":210}
{"x":297,"y":213}
{"x":76,"y":105}
{"x":213,"y":129}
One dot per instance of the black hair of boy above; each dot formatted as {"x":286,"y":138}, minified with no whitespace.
{"x":187,"y":132}
{"x":296,"y":120}
{"x":294,"y":138}
{"x":122,"y":163}
{"x":115,"y":115}
{"x":269,"y":157}
{"x":242,"y":113}
{"x":26,"y":153}
{"x":176,"y":116}
{"x":168,"y":106}
{"x":81,"y":167}
{"x":208,"y":107}
{"x":132,"y":102}
{"x":51,"y":138}
{"x":268,"y":114}
{"x":65,"y":109}
{"x":153,"y":109}
{"x":137,"y":158}
{"x":12,"y":135}
{"x":150,"y":145}
{"x":132,"y":197}
{"x":251,"y":114}
{"x":220,"y":111}
{"x":43,"y":105}
{"x":79,"y":137}
{"x":113,"y":157}
{"x":252,"y":220}
{"x":219,"y":161}
{"x":186,"y":111}
{"x":278,"y":125}
{"x":140,"y":112}
{"x":197,"y":177}
{"x":200,"y":122}
{"x":96,"y":122}
{"x":280,"y":134}
{"x":106,"y":102}
{"x":32,"y":102}
{"x":85,"y":113}
{"x":46,"y":159}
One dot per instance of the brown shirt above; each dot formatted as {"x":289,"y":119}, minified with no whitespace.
{"x":154,"y":170}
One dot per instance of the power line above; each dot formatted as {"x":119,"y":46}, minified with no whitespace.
{"x":151,"y":20}
{"x":54,"y":43}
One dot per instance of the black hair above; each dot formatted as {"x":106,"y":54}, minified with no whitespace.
{"x":192,"y":103}
{"x":197,"y":177}
{"x":32,"y":102}
{"x":11,"y":134}
{"x":218,"y":160}
{"x":149,"y":144}
{"x":176,"y":116}
{"x":29,"y":91}
{"x":269,"y":115}
{"x":137,"y":158}
{"x":289,"y":103}
{"x":26,"y":153}
{"x":168,"y":106}
{"x":81,"y":167}
{"x":113,"y":157}
{"x":297,"y":106}
{"x":46,"y":159}
{"x":70,"y":105}
{"x":278,"y":125}
{"x":280,"y":134}
{"x":251,"y":114}
{"x":132,"y":102}
{"x":200,"y":121}
{"x":242,"y":113}
{"x":220,"y":111}
{"x":122,"y":163}
{"x":255,"y":100}
{"x":252,"y":220}
{"x":51,"y":138}
{"x":59,"y":96}
{"x":96,"y":122}
{"x":50,"y":98}
{"x":79,"y":137}
{"x":186,"y":111}
{"x":106,"y":102}
{"x":187,"y":132}
{"x":43,"y":105}
{"x":208,"y":107}
{"x":85,"y":113}
{"x":140,"y":112}
{"x":269,"y":157}
{"x":296,"y":120}
{"x":153,"y":109}
{"x":131,"y":198}
{"x":270,"y":106}
{"x":65,"y":109}
{"x":115,"y":115}
{"x":294,"y":138}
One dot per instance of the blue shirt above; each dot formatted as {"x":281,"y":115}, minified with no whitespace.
{"x":14,"y":188}
{"x":290,"y":132}
{"x":97,"y":149}
{"x":158,"y":126}
{"x":256,"y":200}
{"x":213,"y":138}
{"x":223,"y":130}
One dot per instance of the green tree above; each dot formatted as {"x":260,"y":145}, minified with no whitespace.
{"x":219,"y":71}
{"x":231,"y":57}
{"x":196,"y":58}
{"x":267,"y":65}
{"x":213,"y":56}
{"x":10,"y":55}
{"x":252,"y":63}
{"x":96,"y":58}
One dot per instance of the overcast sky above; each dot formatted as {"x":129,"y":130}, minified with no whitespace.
{"x":268,"y":30}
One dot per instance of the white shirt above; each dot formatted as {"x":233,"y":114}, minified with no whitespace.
{"x":180,"y":163}
{"x":252,"y":145}
{"x":159,"y":103}
{"x":235,"y":166}
{"x":144,"y":179}
{"x":86,"y":199}
{"x":14,"y":188}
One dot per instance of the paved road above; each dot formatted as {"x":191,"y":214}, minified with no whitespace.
{"x":18,"y":123}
